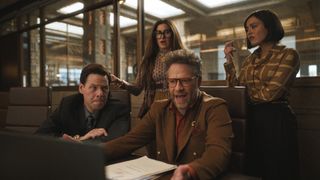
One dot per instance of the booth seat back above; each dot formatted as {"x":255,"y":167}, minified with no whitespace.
{"x":123,"y":97}
{"x":237,"y":106}
{"x":28,"y":108}
{"x":57,"y":93}
{"x":4,"y":103}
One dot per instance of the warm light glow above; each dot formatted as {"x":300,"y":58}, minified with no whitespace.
{"x":218,"y":3}
{"x":124,"y":21}
{"x":80,"y":16}
{"x":153,"y":7}
{"x":71,"y":8}
{"x":225,"y":32}
{"x":63,"y":27}
{"x":57,"y":26}
{"x":289,"y":23}
{"x":312,"y":70}
{"x":75,"y":29}
{"x":121,"y":1}
{"x":237,"y":31}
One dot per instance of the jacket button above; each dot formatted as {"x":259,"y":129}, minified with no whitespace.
{"x":194,"y":153}
{"x":158,"y":152}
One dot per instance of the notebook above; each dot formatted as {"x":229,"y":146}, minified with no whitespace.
{"x":36,"y":157}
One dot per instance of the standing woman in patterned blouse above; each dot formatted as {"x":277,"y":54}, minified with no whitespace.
{"x":268,"y":74}
{"x":151,"y":76}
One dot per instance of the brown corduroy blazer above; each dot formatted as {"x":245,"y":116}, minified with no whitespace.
{"x":207,"y":143}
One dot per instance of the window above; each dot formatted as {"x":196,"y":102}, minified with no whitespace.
{"x":207,"y":27}
{"x":312,"y":70}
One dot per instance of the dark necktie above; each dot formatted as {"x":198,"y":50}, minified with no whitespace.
{"x":90,"y":122}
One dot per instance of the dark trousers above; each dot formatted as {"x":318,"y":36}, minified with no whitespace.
{"x":272,"y":142}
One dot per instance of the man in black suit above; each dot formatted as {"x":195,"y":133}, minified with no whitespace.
{"x":90,"y":114}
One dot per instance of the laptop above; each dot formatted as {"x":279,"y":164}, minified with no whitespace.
{"x":37,"y":158}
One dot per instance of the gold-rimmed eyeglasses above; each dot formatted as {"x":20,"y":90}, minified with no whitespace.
{"x":185,"y":82}
{"x":165,"y":33}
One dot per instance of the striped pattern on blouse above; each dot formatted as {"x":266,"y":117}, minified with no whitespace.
{"x":268,"y":78}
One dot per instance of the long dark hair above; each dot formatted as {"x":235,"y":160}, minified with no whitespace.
{"x":152,"y":49}
{"x":271,"y":22}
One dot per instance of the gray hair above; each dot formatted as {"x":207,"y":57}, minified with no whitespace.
{"x":183,"y":56}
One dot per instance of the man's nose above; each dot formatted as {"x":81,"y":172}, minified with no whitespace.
{"x":162,"y":36}
{"x":179,"y":85}
{"x":100,"y":92}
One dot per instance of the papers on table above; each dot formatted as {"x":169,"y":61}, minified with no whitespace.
{"x":141,"y":168}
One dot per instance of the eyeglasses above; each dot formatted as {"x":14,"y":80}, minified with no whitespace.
{"x":185,"y":82}
{"x":165,"y":33}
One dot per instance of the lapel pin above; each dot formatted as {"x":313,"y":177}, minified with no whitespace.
{"x":193,"y":123}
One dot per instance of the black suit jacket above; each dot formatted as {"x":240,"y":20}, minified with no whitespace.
{"x":69,"y":118}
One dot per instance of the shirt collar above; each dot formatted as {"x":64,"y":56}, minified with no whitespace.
{"x":275,"y":48}
{"x":87,"y":113}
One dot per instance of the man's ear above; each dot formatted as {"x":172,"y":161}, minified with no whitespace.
{"x":199,"y":80}
{"x":81,"y":86}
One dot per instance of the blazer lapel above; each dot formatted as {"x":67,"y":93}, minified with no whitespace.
{"x":80,"y":117}
{"x":104,"y":117}
{"x":190,"y":122}
{"x":169,"y":134}
{"x":186,"y":133}
{"x":77,"y":118}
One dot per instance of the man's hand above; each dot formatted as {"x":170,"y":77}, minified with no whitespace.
{"x":69,"y":138}
{"x":94,"y":133}
{"x":90,"y":135}
{"x":182,"y":173}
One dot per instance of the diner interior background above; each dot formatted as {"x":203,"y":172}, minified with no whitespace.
{"x":47,"y":42}
{"x":69,"y":43}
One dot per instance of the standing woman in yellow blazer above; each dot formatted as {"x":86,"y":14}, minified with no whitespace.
{"x":151,"y":76}
{"x":268,"y":74}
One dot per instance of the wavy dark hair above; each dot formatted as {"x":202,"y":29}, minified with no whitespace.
{"x":94,"y":69}
{"x":271,"y":22}
{"x":152,"y":49}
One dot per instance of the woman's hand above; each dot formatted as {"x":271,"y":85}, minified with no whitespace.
{"x":228,"y":48}
{"x":116,"y":80}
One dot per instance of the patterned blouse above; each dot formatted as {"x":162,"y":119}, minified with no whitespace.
{"x":268,"y":78}
{"x":150,"y":94}
{"x":158,"y":72}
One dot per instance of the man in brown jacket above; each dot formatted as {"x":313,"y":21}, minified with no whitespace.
{"x":192,"y":129}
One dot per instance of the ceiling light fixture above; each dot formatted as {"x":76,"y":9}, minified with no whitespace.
{"x":218,"y":3}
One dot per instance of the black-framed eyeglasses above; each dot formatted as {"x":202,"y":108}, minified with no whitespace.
{"x":185,"y":82}
{"x":165,"y":33}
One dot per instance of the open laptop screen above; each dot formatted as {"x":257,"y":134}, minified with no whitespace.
{"x":34,"y":157}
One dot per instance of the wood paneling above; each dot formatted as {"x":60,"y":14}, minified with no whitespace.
{"x":10,"y":61}
{"x":305,"y":101}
